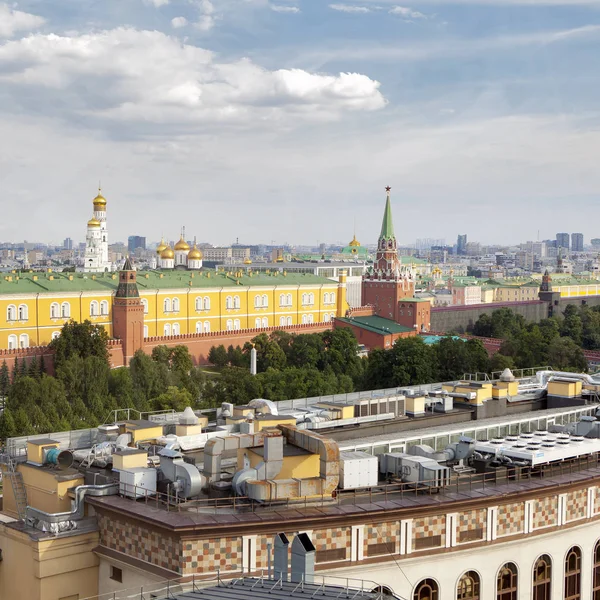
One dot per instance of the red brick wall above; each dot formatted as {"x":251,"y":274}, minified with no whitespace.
{"x":371,"y":340}
{"x":27,"y":354}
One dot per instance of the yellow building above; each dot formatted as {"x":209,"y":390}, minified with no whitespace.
{"x":34,"y":306}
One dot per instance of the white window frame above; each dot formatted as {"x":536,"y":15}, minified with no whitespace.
{"x":229,"y":325}
{"x":206,"y":303}
{"x":236,"y":302}
{"x":289,"y":300}
{"x":236,"y":325}
{"x":146,"y":331}
{"x":65,"y":310}
{"x":55,"y":310}
{"x":198,"y":302}
{"x":198,"y":326}
{"x":23,"y":341}
{"x":55,"y":335}
{"x":11,"y":312}
{"x":167,"y":305}
{"x":289,"y":321}
{"x":94,"y":308}
{"x":167,"y":329}
{"x":265,"y":322}
{"x":13,"y":342}
{"x":206,"y":327}
{"x":23,"y":312}
{"x":326,"y":317}
{"x":257,"y":323}
{"x":265,"y":301}
{"x":282,"y":300}
{"x":282,"y":321}
{"x":229,"y":303}
{"x":175,"y":304}
{"x":176,"y":330}
{"x":104,"y":308}
{"x":257,"y":301}
{"x":145,"y":305}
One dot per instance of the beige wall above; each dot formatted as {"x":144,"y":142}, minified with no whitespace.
{"x":132,"y":579}
{"x":50,"y":569}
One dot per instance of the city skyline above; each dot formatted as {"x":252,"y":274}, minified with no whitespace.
{"x":293,"y":116}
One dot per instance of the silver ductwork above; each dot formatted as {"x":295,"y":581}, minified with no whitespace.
{"x":184,"y":478}
{"x":57,"y":522}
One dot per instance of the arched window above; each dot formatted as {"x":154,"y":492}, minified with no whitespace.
{"x":145,"y":305}
{"x":206,"y":326}
{"x":573,"y":574}
{"x":175,"y":304}
{"x":206,"y":303}
{"x":23,"y":341}
{"x":229,"y":302}
{"x":281,"y":321}
{"x":257,"y":322}
{"x":468,"y":587}
{"x":11,"y":312}
{"x":229,"y":325}
{"x":332,"y":316}
{"x":198,"y":303}
{"x":167,"y":329}
{"x":326,"y":298}
{"x":426,"y":590}
{"x":175,"y":328}
{"x":54,"y":310}
{"x":167,"y":305}
{"x":326,"y":317}
{"x":23,"y":312}
{"x":236,"y":324}
{"x":145,"y":331}
{"x":289,"y":320}
{"x":257,"y":301}
{"x":289,"y":299}
{"x":265,"y":301}
{"x":236,"y":302}
{"x":304,"y":298}
{"x":304,"y":319}
{"x":310,"y":318}
{"x":332,"y":297}
{"x":506,"y":584}
{"x":55,"y":334}
{"x":282,"y":299}
{"x":104,"y":307}
{"x":65,"y":310}
{"x":13,"y":342}
{"x":198,"y":326}
{"x":596,"y":573}
{"x":265,"y":322}
{"x":311,"y":298}
{"x":93,"y":308}
{"x":542,"y":578}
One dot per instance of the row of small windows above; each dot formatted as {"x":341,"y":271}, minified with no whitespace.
{"x":507,"y":581}
{"x":60,"y":311}
{"x":170,"y":306}
{"x":98,"y":309}
{"x":329,"y":298}
{"x":232,"y":302}
{"x":21,"y":341}
{"x":308,"y":298}
{"x":285,"y":300}
{"x":261,"y":301}
{"x":13,"y":313}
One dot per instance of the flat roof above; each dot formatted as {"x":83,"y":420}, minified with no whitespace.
{"x":376,"y":324}
{"x":42,"y":442}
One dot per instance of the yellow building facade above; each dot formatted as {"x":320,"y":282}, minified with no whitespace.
{"x":34,"y":306}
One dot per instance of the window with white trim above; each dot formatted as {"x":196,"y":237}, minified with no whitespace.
{"x":289,"y":320}
{"x":236,"y":302}
{"x":55,"y":310}
{"x":145,"y":331}
{"x":257,"y":301}
{"x":229,"y":325}
{"x":175,"y":304}
{"x":13,"y":342}
{"x":282,"y":298}
{"x":265,"y":322}
{"x":65,"y":310}
{"x":167,"y":329}
{"x":23,"y":312}
{"x":281,"y":321}
{"x":167,"y":305}
{"x":94,"y":310}
{"x":257,"y":323}
{"x":104,"y":307}
{"x":55,"y":334}
{"x":326,"y":317}
{"x":229,"y":302}
{"x":145,"y":305}
{"x":206,"y":326}
{"x":198,"y":303}
{"x":175,"y":328}
{"x":11,"y":312}
{"x":206,"y":303}
{"x":23,"y":341}
{"x":198,"y":326}
{"x":265,"y":301}
{"x":236,"y":324}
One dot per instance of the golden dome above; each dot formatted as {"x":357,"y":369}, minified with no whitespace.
{"x":99,"y":200}
{"x":354,"y":242}
{"x":168,"y":252}
{"x":194,"y":253}
{"x":94,"y":222}
{"x":247,"y":262}
{"x":162,"y":246}
{"x":182,"y":245}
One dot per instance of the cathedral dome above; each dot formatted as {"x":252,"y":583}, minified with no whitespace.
{"x":99,"y":201}
{"x":94,"y":222}
{"x":354,"y":242}
{"x":182,"y":245}
{"x":194,"y":253}
{"x":167,"y":252}
{"x":162,"y":246}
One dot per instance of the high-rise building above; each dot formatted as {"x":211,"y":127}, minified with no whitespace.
{"x":577,"y":242}
{"x":562,"y":240}
{"x":134,"y":242}
{"x":68,"y":244}
{"x":461,"y":244}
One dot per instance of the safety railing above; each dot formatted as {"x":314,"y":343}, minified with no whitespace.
{"x":458,"y":483}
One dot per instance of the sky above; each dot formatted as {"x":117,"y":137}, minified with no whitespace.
{"x":282,"y":121}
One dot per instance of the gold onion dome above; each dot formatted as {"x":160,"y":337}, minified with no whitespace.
{"x":247,"y":262}
{"x":167,"y":253}
{"x":182,"y":245}
{"x":162,"y":246}
{"x":194,"y":253}
{"x":93,"y":222}
{"x":354,"y":242}
{"x":100,"y":200}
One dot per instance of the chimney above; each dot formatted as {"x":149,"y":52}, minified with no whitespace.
{"x":303,"y":559}
{"x":280,"y":561}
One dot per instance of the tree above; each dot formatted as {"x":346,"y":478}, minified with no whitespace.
{"x":148,"y":381}
{"x":15,"y":371}
{"x":572,"y":325}
{"x":564,"y":354}
{"x":499,"y":362}
{"x":7,"y":425}
{"x":181,"y":360}
{"x":79,"y":339}
{"x":412,"y":362}
{"x":162,"y":354}
{"x":217,"y":356}
{"x":34,"y":368}
{"x":173,"y":398}
{"x":4,"y":379}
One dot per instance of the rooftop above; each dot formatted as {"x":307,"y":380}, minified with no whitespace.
{"x":376,"y":324}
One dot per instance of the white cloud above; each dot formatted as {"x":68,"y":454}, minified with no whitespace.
{"x":12,"y":21}
{"x":157,"y":3}
{"x":407,"y":13}
{"x":347,"y":8}
{"x":179,"y":22}
{"x":207,"y":18}
{"x":136,"y":77}
{"x":205,"y":23}
{"x":284,"y":9}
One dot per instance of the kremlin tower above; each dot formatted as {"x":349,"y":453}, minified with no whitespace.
{"x":96,"y":240}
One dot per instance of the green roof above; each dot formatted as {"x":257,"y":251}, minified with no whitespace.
{"x":387,"y":226}
{"x":104,"y":282}
{"x":376,"y":324}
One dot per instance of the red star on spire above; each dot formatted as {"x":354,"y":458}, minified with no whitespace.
{"x":387,"y":188}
